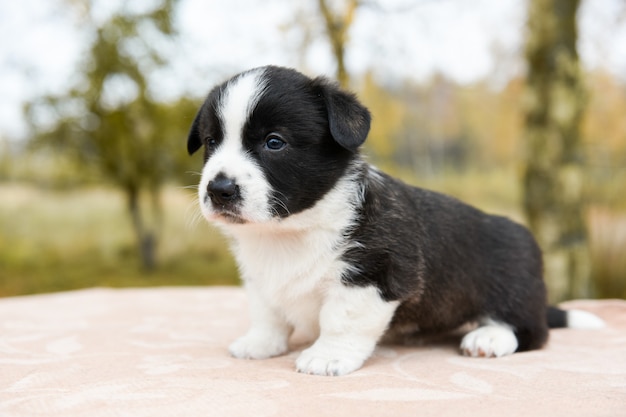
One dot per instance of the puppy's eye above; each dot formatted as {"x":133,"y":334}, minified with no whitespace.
{"x":211,"y":143}
{"x":274,"y":142}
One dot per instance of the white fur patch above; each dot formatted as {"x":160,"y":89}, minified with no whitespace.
{"x":578,"y":319}
{"x":230,"y":159}
{"x":293,"y":257}
{"x":239,"y":99}
{"x":493,"y":339}
{"x":288,"y":264}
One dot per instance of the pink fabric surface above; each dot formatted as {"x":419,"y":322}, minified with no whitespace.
{"x":163,"y":352}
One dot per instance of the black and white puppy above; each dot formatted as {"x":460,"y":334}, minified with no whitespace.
{"x":328,"y":244}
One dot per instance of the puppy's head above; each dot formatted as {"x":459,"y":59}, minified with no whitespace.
{"x":275,"y":142}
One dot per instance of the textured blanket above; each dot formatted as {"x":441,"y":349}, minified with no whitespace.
{"x":163,"y":352}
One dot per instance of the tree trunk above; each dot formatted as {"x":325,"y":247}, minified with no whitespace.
{"x":337,"y":26}
{"x":146,"y":236}
{"x":554,"y":175}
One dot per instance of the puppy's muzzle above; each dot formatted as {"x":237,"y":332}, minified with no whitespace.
{"x":223,"y":192}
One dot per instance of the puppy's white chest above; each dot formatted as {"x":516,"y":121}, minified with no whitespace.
{"x":291,"y":271}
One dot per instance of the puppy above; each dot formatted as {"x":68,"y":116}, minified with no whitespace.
{"x":328,"y":244}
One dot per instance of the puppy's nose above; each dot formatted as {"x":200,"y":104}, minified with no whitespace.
{"x":222,"y":190}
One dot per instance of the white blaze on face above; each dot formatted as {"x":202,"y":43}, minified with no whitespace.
{"x":231,"y":159}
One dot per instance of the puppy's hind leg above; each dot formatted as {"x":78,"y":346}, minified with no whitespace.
{"x":490,"y":339}
{"x":352,"y":319}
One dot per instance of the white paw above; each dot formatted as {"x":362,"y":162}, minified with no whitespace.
{"x":258,"y":345}
{"x":314,"y":361}
{"x":489,"y":341}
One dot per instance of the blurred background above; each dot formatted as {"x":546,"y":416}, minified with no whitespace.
{"x":515,"y":106}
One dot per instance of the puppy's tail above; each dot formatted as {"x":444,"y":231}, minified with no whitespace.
{"x":574,"y":319}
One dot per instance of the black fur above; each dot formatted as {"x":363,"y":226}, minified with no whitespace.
{"x":206,"y":125}
{"x":556,"y":317}
{"x":448,"y":262}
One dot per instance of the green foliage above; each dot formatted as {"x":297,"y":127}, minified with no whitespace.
{"x":111,"y":124}
{"x":109,"y":119}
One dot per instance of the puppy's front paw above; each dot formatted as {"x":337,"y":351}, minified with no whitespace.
{"x":317,"y":362}
{"x":258,"y":345}
{"x":489,"y":341}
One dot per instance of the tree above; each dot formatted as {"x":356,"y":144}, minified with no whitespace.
{"x":554,"y":175}
{"x":337,"y":24}
{"x":109,"y":119}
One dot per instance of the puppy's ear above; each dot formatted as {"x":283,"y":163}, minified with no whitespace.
{"x":348,"y":119}
{"x":194,"y":141}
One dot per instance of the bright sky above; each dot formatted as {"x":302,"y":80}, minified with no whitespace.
{"x":466,"y":40}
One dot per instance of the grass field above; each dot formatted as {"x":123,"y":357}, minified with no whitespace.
{"x":59,"y":240}
{"x":62,"y":240}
